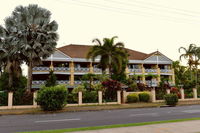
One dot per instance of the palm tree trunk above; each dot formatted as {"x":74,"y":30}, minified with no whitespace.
{"x":29,"y":81}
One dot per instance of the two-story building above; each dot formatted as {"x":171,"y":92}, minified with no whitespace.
{"x":70,"y":64}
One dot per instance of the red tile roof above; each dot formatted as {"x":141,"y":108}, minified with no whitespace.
{"x":80,"y":51}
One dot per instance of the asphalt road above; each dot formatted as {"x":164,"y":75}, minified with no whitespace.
{"x":19,"y":123}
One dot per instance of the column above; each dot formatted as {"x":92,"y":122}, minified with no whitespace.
{"x":153,"y":93}
{"x":91,"y":68}
{"x":119,"y":97}
{"x":71,"y":65}
{"x":168,"y":91}
{"x":143,"y":74}
{"x":173,"y":77}
{"x":10,"y":99}
{"x":34,"y":98}
{"x":182,"y":93}
{"x":127,"y":71}
{"x":80,"y":98}
{"x":100,"y":97}
{"x":194,"y":93}
{"x":158,"y":72}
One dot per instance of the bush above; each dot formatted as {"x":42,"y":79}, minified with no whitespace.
{"x":3,"y":98}
{"x":52,"y":98}
{"x":132,"y":98}
{"x":171,"y":99}
{"x":72,"y":98}
{"x":90,"y":97}
{"x":144,"y":97}
{"x":22,"y":97}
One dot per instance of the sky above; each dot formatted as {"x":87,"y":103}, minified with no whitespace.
{"x":142,"y":25}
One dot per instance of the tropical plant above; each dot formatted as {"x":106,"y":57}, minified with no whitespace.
{"x":89,"y":77}
{"x":171,"y":99}
{"x":132,"y":98}
{"x":51,"y":81}
{"x":35,"y":33}
{"x":144,"y":96}
{"x":111,"y":55}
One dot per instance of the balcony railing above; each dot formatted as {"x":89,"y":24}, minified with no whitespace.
{"x":150,"y":70}
{"x":61,"y":69}
{"x":165,"y":71}
{"x":81,"y":69}
{"x":41,"y":69}
{"x":97,"y":70}
{"x":63,"y":82}
{"x":151,"y":83}
{"x":42,"y":82}
{"x":135,"y":70}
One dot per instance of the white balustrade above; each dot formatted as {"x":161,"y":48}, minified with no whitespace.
{"x":61,"y":69}
{"x":151,"y":70}
{"x":165,"y":71}
{"x":135,"y":70}
{"x":151,"y":83}
{"x":81,"y":69}
{"x":97,"y":70}
{"x":41,"y":68}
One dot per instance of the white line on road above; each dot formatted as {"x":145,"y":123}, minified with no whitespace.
{"x":58,"y":120}
{"x":145,"y":114}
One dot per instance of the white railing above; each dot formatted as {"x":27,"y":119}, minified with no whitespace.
{"x":139,"y":81}
{"x":135,"y":70}
{"x":61,"y":69}
{"x":81,"y":69}
{"x":151,"y":83}
{"x":165,"y":70}
{"x":151,"y":70}
{"x":77,"y":82}
{"x":97,"y":70}
{"x":41,"y":69}
{"x":63,"y":82}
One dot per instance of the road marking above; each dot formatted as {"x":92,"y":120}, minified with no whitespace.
{"x":145,"y":114}
{"x":58,"y":120}
{"x":191,"y":111}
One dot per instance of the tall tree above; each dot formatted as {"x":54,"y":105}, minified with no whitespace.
{"x":189,"y":54}
{"x":111,"y":54}
{"x":35,"y":33}
{"x":10,"y":57}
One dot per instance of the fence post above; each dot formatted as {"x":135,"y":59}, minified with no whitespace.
{"x":34,"y":98}
{"x":182,"y":93}
{"x":119,"y":97}
{"x":100,"y":97}
{"x":168,"y":91}
{"x":153,"y":93}
{"x":195,"y":93}
{"x":10,"y":99}
{"x":80,"y":98}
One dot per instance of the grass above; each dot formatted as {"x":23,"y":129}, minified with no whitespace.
{"x":112,"y":126}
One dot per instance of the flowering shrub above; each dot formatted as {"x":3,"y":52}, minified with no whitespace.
{"x":175,"y":90}
{"x":111,"y":88}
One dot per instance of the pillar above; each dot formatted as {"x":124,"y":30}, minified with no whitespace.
{"x":194,"y":93}
{"x":173,"y":77}
{"x":182,"y":93}
{"x":158,"y":73}
{"x":100,"y":97}
{"x":10,"y":99}
{"x":143,"y":74}
{"x":71,"y":65}
{"x":80,"y":96}
{"x":91,"y":68}
{"x":153,"y":93}
{"x":34,"y":98}
{"x":168,"y":91}
{"x":119,"y":97}
{"x":127,"y":72}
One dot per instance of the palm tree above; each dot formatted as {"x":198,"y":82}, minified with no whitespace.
{"x":111,"y":54}
{"x":35,"y":33}
{"x":189,"y":54}
{"x":10,"y":57}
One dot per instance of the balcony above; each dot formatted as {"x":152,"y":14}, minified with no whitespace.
{"x":166,"y":71}
{"x":151,"y":83}
{"x":97,"y":70}
{"x":39,"y":83}
{"x":151,"y":71}
{"x":41,"y":68}
{"x":81,"y":70}
{"x":61,"y":69}
{"x":135,"y":70}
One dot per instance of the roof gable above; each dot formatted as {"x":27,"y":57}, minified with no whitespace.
{"x":58,"y":55}
{"x":157,"y":57}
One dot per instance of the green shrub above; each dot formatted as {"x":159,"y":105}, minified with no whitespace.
{"x":132,"y":98}
{"x":72,"y":98}
{"x":52,"y":98}
{"x":3,"y":98}
{"x":144,"y":97}
{"x":90,"y":97}
{"x":171,"y":99}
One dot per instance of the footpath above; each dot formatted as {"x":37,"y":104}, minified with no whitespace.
{"x":177,"y":127}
